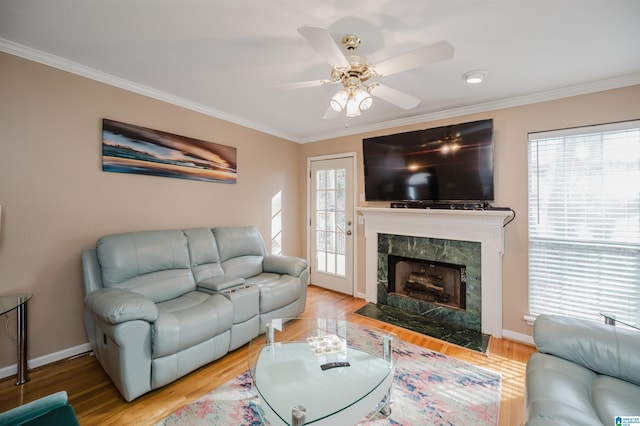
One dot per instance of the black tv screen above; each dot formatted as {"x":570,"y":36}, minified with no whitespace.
{"x":442,"y":164}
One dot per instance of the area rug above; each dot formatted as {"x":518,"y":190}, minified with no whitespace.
{"x":429,"y":389}
{"x":427,"y":325}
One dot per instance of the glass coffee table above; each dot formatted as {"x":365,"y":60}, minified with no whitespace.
{"x":322,"y":371}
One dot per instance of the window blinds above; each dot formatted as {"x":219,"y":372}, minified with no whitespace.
{"x":584,"y":222}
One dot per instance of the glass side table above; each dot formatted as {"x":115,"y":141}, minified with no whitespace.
{"x":611,"y":319}
{"x":19,"y":302}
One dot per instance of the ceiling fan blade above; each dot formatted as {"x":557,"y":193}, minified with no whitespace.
{"x":419,"y":57}
{"x":299,"y":85}
{"x":393,"y":96}
{"x":330,"y":113}
{"x":320,"y":39}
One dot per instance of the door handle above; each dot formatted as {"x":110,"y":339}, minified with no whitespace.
{"x":349,"y":232}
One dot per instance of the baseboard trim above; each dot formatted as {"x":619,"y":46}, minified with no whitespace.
{"x":518,"y":337}
{"x":12,"y":370}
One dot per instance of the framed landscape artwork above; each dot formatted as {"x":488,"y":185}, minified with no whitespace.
{"x":127,"y":148}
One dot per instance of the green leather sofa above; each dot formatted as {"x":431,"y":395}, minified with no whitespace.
{"x":160,"y":304}
{"x":584,"y":373}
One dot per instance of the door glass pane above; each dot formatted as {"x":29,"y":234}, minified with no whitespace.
{"x":321,"y":222}
{"x":321,"y":200}
{"x":331,"y":179}
{"x":331,"y":200}
{"x":340,"y":246}
{"x":331,"y":263}
{"x":331,"y":221}
{"x":321,"y":179}
{"x":340,"y":200}
{"x":330,"y":241}
{"x":341,"y":178}
{"x":341,"y":264}
{"x":321,"y":245}
{"x":341,"y":221}
{"x":321,"y":263}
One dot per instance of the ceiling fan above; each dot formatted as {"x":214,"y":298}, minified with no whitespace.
{"x":354,"y":72}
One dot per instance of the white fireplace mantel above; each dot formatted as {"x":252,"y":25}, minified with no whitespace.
{"x":483,"y":226}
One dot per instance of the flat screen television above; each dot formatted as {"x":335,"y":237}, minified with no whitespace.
{"x":449,"y":164}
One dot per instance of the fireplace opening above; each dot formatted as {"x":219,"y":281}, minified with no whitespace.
{"x":430,"y":281}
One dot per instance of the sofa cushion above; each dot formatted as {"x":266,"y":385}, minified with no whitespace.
{"x":559,"y":391}
{"x":203,"y":250}
{"x":614,"y":397}
{"x":243,"y":266}
{"x":240,"y":241}
{"x":263,"y":278}
{"x":153,"y":263}
{"x":276,"y":291}
{"x":188,"y":320}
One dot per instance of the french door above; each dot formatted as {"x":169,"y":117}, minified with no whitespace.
{"x":331,"y":236}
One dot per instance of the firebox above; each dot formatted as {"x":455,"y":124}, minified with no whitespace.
{"x":430,"y":281}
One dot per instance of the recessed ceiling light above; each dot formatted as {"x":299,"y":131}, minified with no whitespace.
{"x":475,"y":76}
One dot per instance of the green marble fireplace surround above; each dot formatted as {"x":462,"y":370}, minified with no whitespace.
{"x":466,"y":253}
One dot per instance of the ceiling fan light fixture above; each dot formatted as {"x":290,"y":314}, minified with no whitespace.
{"x":363,"y":100}
{"x":475,"y":76}
{"x":339,"y":100}
{"x":352,"y":108}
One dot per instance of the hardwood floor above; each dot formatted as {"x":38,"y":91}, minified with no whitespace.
{"x":97,"y":402}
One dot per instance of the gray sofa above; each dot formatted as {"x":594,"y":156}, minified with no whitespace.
{"x":585,"y":373}
{"x":160,"y":304}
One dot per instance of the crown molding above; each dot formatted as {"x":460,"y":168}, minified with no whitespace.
{"x":106,"y":78}
{"x":100,"y":76}
{"x":549,"y":95}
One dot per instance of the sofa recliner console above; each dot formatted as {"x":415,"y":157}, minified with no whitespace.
{"x":160,"y":304}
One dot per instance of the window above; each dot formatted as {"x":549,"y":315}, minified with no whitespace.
{"x":584,"y":222}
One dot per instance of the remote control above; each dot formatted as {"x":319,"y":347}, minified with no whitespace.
{"x":334,"y":365}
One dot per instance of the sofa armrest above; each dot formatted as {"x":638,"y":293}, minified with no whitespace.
{"x":91,"y":273}
{"x":46,"y":410}
{"x":288,"y":265}
{"x":602,"y":348}
{"x":219,"y":283}
{"x":116,"y":305}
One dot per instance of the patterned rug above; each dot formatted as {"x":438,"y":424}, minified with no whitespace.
{"x":430,"y":389}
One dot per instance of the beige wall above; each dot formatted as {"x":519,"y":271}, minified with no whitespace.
{"x":511,"y":127}
{"x":56,"y":201}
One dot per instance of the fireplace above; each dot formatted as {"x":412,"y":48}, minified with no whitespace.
{"x":482,"y":227}
{"x":440,"y":283}
{"x":426,"y":276}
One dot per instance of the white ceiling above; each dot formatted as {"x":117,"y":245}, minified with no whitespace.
{"x":217,"y":56}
